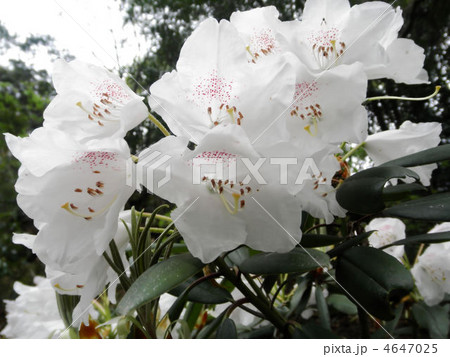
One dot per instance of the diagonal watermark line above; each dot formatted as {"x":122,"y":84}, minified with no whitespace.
{"x":125,"y":271}
{"x":145,"y":91}
{"x":325,"y":270}
{"x":300,"y":96}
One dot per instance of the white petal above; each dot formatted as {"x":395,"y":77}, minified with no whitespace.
{"x":408,"y":139}
{"x":208,"y":229}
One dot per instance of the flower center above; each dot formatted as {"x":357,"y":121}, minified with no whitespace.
{"x":225,"y":113}
{"x":305,"y":107}
{"x":89,"y":200}
{"x":232,"y":195}
{"x":436,"y":273}
{"x":325,"y":45}
{"x":262,"y":42}
{"x":109,"y":98}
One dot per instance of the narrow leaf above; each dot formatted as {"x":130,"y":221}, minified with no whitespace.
{"x":424,"y":157}
{"x":297,"y":260}
{"x":431,"y":208}
{"x":318,"y":240}
{"x":204,"y":293}
{"x":429,"y":238}
{"x":159,"y":279}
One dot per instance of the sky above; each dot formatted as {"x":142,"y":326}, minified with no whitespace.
{"x":90,"y":30}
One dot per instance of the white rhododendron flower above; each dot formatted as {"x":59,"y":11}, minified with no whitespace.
{"x":92,"y":102}
{"x":387,"y":231}
{"x":311,"y":166}
{"x":92,"y":278}
{"x":73,"y":192}
{"x":260,"y":30}
{"x":328,"y":106}
{"x":432,"y":273}
{"x":408,"y":139}
{"x":221,"y":210}
{"x":332,"y":33}
{"x":214,"y":85}
{"x":34,"y":313}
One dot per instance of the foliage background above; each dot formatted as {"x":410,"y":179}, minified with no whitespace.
{"x":25,"y":92}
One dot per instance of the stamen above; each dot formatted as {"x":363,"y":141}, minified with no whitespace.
{"x":68,"y":207}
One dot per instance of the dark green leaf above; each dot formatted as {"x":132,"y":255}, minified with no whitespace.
{"x":432,"y":318}
{"x":227,"y":329}
{"x":296,"y":261}
{"x":429,"y":238}
{"x":402,"y":190}
{"x":374,"y":279}
{"x":322,"y":309}
{"x":159,"y":279}
{"x":311,"y":330}
{"x":342,"y":304}
{"x":349,"y":243}
{"x":265,"y":332}
{"x":204,"y":293}
{"x":431,"y":208}
{"x":424,"y":157}
{"x":363,"y":192}
{"x":237,"y":256}
{"x":318,"y":240}
{"x":208,"y":330}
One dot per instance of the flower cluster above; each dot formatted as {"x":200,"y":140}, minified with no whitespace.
{"x":264,"y":114}
{"x":254,"y":88}
{"x":73,"y":178}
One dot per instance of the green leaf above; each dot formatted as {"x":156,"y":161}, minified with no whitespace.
{"x":265,"y":332}
{"x":342,"y":304}
{"x":374,"y":279}
{"x":362,"y":193}
{"x":322,"y":309}
{"x":318,"y":240}
{"x":311,"y":330}
{"x":402,"y":190}
{"x":431,"y":208}
{"x":204,"y":293}
{"x":227,"y":330}
{"x":432,"y":318}
{"x":348,"y":244}
{"x":208,"y":330}
{"x":424,"y":157}
{"x":429,"y":238}
{"x":237,"y":256}
{"x":159,"y":279}
{"x":297,"y":260}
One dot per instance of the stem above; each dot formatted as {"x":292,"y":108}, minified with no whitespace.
{"x":155,"y":230}
{"x":419,"y":252}
{"x":364,"y":323}
{"x":139,"y":326}
{"x":158,"y":216}
{"x":261,"y":305}
{"x":436,"y":91}
{"x":255,"y":287}
{"x":352,"y":151}
{"x":158,"y":125}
